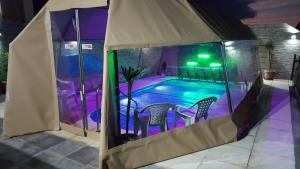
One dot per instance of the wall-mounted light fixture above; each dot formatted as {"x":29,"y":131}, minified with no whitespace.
{"x":191,"y":63}
{"x":292,"y":30}
{"x":229,"y":48}
{"x":228,"y":43}
{"x":215,"y":65}
{"x":204,"y":56}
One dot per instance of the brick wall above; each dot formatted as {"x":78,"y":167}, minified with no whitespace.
{"x":284,"y":47}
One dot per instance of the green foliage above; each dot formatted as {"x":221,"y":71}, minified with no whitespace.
{"x":3,"y":66}
{"x":269,"y":45}
{"x":131,"y":74}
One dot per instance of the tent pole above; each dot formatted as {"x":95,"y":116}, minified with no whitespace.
{"x":81,"y":68}
{"x":226,"y":78}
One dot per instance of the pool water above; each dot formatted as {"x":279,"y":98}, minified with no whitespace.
{"x":183,"y":92}
{"x":179,"y":92}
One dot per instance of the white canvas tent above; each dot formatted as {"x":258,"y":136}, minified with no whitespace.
{"x":157,"y":23}
{"x":32,"y":103}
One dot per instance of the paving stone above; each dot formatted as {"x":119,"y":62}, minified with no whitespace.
{"x":49,"y":157}
{"x":67,"y":147}
{"x":44,"y":141}
{"x":34,"y":137}
{"x":262,"y":160}
{"x":190,"y":161}
{"x":89,"y":167}
{"x":22,"y":146}
{"x":6,"y":163}
{"x":37,"y":164}
{"x":94,"y":163}
{"x":21,"y":166}
{"x":62,"y":134}
{"x":69,"y":164}
{"x":214,"y":164}
{"x":152,"y":167}
{"x":85,"y":155}
{"x":11,"y":154}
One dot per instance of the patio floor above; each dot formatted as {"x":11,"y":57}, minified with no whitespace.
{"x":48,"y":150}
{"x":274,"y":143}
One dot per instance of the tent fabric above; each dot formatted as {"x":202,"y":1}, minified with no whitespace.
{"x":172,"y":144}
{"x":135,"y":24}
{"x":144,"y":23}
{"x":31,"y":103}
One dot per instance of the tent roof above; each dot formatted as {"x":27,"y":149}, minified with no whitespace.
{"x":144,"y":23}
{"x":62,"y":24}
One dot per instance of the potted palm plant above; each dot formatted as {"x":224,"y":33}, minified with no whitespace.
{"x":3,"y":72}
{"x":269,"y":74}
{"x":130,"y":74}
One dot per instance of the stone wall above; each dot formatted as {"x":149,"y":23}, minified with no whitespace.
{"x":284,"y":47}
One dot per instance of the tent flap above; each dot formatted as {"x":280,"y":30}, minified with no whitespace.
{"x":31,"y":103}
{"x":172,"y":144}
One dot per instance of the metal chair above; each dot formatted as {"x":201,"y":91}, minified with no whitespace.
{"x":202,"y":111}
{"x":157,"y":116}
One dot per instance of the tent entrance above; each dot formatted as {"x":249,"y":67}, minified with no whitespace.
{"x":78,"y":40}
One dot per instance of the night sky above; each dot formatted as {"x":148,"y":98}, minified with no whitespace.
{"x":274,"y":11}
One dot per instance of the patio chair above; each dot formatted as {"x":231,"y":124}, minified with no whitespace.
{"x":66,"y":90}
{"x":157,"y":116}
{"x":189,"y":115}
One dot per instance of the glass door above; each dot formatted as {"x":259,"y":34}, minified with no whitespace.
{"x":67,"y":65}
{"x":78,"y":40}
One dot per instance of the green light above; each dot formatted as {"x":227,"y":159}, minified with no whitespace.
{"x":191,"y":63}
{"x":204,"y":56}
{"x":215,"y":65}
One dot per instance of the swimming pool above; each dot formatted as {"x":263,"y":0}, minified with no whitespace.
{"x":182,"y":92}
{"x":175,"y":91}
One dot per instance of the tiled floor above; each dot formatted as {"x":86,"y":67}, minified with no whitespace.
{"x":48,"y":150}
{"x":274,"y":143}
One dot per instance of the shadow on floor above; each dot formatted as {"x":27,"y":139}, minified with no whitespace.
{"x":260,"y":110}
{"x":263,"y":105}
{"x":11,"y":158}
{"x":46,"y":151}
{"x":295,"y":117}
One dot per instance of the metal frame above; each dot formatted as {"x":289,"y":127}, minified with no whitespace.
{"x":223,"y":55}
{"x":81,"y":69}
{"x":117,"y":91}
